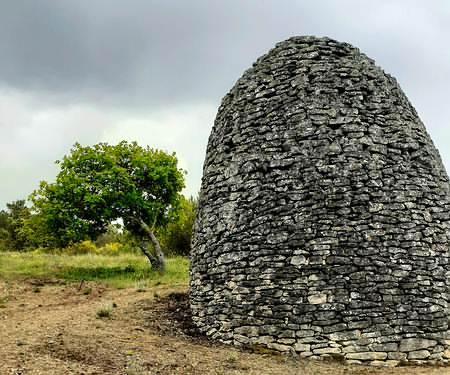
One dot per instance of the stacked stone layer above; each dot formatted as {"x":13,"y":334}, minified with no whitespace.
{"x":324,"y":213}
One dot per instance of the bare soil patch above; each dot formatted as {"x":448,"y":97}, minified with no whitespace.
{"x":50,"y":327}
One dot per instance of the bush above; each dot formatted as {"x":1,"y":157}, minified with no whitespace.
{"x":112,"y":248}
{"x":81,"y":248}
{"x":104,"y":312}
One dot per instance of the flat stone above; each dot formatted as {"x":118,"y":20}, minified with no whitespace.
{"x":367,"y":356}
{"x":327,"y":351}
{"x":298,"y":260}
{"x":419,"y":354}
{"x":299,"y":347}
{"x":317,"y":299}
{"x":345,"y":335}
{"x":388,"y":363}
{"x":446,"y":354}
{"x":397,"y":356}
{"x":413,"y":344}
{"x":278,"y":347}
{"x":385,"y":347}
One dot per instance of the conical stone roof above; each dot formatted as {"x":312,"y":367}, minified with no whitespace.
{"x":324,"y":213}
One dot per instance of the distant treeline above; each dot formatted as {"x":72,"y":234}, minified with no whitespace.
{"x":18,"y":232}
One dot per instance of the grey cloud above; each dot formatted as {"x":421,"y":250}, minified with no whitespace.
{"x":146,"y":53}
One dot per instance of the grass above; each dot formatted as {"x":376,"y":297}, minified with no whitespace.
{"x":119,"y":270}
{"x":104,"y":312}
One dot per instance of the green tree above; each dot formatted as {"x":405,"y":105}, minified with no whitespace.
{"x":176,"y":236}
{"x":102,"y":183}
{"x":11,"y":225}
{"x":4,"y":230}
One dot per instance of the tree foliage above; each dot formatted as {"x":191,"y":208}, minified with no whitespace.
{"x":11,"y":225}
{"x":176,"y":236}
{"x":99,"y":184}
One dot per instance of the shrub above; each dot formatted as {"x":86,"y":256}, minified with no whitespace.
{"x":104,"y":312}
{"x":113,"y":248}
{"x":81,"y":248}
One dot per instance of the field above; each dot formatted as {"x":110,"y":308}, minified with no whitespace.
{"x":92,"y":314}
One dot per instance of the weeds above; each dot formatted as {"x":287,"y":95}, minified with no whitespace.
{"x":104,"y":312}
{"x":141,"y":286}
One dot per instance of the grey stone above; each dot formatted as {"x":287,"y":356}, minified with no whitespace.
{"x":327,"y":351}
{"x":367,"y":356}
{"x":419,"y":354}
{"x":385,"y":347}
{"x":279,"y":347}
{"x":299,"y":347}
{"x":413,"y":344}
{"x":298,"y":260}
{"x":345,"y":335}
{"x":397,"y":356}
{"x":317,"y":299}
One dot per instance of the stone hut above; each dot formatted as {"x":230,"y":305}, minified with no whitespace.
{"x":324,"y":213}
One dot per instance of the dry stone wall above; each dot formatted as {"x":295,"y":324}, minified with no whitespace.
{"x":323,"y":222}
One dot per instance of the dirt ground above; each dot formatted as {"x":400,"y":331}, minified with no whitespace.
{"x":51,"y":327}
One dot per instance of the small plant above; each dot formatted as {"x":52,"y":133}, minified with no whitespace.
{"x":232,"y":357}
{"x":87,"y":291}
{"x":36,"y":289}
{"x":104,"y":312}
{"x":141,"y":286}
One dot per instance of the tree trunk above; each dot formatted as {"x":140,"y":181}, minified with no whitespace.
{"x":158,"y":260}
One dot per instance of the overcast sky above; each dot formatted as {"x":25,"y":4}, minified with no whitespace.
{"x":155,"y":71}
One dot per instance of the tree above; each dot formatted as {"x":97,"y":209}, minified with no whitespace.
{"x":176,"y":236}
{"x":102,"y":183}
{"x":4,"y":230}
{"x":11,"y":224}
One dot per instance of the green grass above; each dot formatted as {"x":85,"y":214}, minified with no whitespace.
{"x":119,"y":270}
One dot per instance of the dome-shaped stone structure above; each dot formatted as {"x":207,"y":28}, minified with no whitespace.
{"x":323,"y":221}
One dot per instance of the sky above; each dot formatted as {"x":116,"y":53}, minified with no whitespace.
{"x":155,"y":71}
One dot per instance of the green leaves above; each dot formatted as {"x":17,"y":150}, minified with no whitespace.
{"x":101,"y":183}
